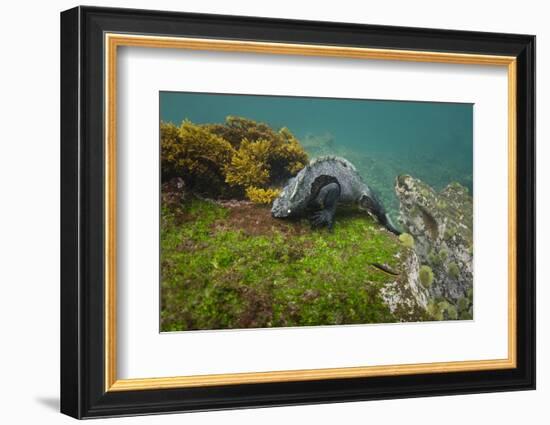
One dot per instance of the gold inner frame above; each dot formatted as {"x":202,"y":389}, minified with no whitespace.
{"x":113,"y":41}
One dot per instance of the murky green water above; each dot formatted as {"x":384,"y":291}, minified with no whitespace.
{"x":428,"y":140}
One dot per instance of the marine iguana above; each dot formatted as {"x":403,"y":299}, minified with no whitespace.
{"x":317,"y":189}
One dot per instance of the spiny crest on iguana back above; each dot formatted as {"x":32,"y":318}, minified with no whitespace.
{"x":329,"y":158}
{"x":317,"y":163}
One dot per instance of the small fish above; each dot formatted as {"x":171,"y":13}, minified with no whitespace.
{"x":385,"y":269}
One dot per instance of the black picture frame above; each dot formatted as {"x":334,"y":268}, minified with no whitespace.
{"x":83,"y":392}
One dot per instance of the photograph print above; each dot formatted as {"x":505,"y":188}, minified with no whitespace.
{"x":281,"y":211}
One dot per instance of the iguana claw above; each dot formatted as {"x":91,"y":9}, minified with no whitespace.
{"x":322,"y":218}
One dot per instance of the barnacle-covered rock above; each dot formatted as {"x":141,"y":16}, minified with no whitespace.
{"x":406,"y":296}
{"x":441,"y":225}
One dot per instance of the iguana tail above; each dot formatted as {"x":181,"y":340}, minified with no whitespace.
{"x":386,"y":221}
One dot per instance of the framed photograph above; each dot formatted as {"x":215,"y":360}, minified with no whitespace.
{"x":261,"y":212}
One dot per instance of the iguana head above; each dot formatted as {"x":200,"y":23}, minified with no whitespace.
{"x":291,"y":200}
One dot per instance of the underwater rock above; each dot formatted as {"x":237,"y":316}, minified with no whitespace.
{"x":228,"y":264}
{"x":173,"y":192}
{"x":406,"y":297}
{"x":441,"y":225}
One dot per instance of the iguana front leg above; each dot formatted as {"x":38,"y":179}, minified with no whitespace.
{"x":326,"y":200}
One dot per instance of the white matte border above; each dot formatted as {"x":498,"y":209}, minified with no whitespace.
{"x":143,"y":352}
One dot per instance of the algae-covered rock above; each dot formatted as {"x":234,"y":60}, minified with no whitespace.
{"x":407,"y":240}
{"x":441,"y":224}
{"x":426,"y":276}
{"x":406,"y":297}
{"x":229,"y":264}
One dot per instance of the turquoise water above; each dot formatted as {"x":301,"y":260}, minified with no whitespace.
{"x":432,"y":141}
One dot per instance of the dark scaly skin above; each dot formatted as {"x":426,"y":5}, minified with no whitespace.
{"x":324,"y":206}
{"x":316,"y":190}
{"x":326,"y":201}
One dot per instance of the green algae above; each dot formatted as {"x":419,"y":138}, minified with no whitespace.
{"x":218,"y":276}
{"x":426,"y":276}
